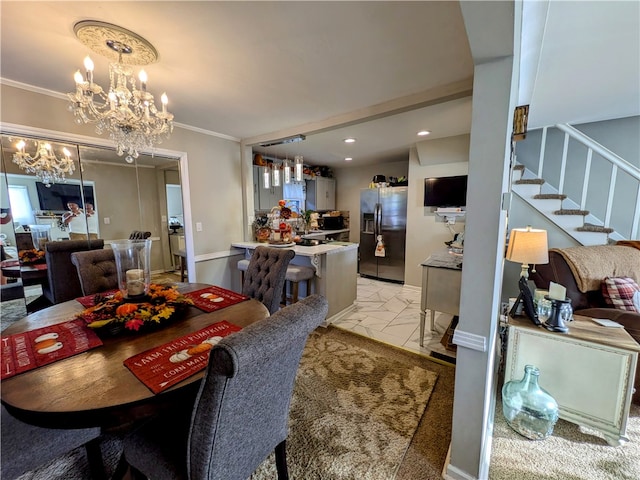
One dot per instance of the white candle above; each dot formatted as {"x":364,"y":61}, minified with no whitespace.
{"x":557,"y":291}
{"x":135,"y":281}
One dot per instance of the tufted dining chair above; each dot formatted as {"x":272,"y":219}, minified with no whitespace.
{"x":241,"y":412}
{"x":63,"y":283}
{"x":96,"y":270}
{"x":265,"y":275}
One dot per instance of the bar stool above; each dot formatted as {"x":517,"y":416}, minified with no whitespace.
{"x":295,"y":275}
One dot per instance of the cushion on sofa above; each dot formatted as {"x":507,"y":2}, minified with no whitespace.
{"x":619,"y":291}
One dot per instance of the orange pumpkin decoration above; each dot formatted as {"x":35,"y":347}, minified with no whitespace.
{"x":125,"y":309}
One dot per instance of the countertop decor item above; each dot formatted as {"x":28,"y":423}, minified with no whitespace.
{"x":114,"y":313}
{"x":528,"y":409}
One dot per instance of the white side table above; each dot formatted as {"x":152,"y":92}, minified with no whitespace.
{"x":589,"y":371}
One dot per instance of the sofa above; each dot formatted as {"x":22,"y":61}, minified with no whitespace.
{"x":581,"y":270}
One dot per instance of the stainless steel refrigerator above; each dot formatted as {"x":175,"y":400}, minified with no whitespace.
{"x":383,"y":212}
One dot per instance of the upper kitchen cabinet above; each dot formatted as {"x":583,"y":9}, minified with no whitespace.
{"x":321,"y":194}
{"x":264,"y":198}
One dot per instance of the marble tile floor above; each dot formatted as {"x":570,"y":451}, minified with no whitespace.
{"x":390,"y":313}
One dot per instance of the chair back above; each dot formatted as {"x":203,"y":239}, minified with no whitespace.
{"x":96,"y":270}
{"x":242,"y":409}
{"x":63,"y":283}
{"x":265,"y":276}
{"x":24,"y":241}
{"x":138,"y":235}
{"x":26,"y":447}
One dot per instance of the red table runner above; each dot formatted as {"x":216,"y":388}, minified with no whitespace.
{"x":162,"y":367}
{"x":215,"y":298}
{"x":28,"y":350}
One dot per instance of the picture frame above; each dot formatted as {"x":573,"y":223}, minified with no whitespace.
{"x":526,"y":298}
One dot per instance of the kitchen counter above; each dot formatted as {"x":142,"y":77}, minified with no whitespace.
{"x":336,"y":272}
{"x":321,"y":234}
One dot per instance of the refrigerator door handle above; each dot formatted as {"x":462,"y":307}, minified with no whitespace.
{"x":378,"y":219}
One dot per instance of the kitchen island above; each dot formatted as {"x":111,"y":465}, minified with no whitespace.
{"x":336,"y":272}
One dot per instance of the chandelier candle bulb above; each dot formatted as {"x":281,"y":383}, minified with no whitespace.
{"x":143,"y":80}
{"x":164,"y":100}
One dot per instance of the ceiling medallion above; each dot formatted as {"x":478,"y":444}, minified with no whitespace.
{"x":126,"y":110}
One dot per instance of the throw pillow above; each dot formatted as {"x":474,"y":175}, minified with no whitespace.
{"x":619,"y":291}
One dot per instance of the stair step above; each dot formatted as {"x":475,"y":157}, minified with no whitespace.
{"x":571,"y":212}
{"x":518,"y":167}
{"x":550,"y":196}
{"x":530,"y":181}
{"x":590,"y":227}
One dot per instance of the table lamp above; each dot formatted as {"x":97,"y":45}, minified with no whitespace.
{"x":528,"y":246}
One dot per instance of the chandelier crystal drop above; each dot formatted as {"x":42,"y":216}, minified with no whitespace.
{"x":126,"y":111}
{"x":45,"y":164}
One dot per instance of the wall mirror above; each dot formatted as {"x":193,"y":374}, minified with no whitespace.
{"x":144,"y":196}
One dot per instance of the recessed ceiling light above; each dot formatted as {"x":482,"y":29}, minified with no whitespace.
{"x":349,"y":140}
{"x":348,"y":159}
{"x":422,"y":133}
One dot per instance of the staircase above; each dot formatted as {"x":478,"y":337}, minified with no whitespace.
{"x":620,"y":189}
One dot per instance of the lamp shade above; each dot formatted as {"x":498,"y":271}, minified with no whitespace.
{"x":528,"y":245}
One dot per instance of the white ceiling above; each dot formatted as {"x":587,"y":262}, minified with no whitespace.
{"x":263,"y":70}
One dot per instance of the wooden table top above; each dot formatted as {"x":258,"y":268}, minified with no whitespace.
{"x":94,"y":388}
{"x":584,"y":328}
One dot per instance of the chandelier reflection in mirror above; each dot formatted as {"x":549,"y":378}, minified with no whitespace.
{"x":47,"y":167}
{"x":127,"y":110}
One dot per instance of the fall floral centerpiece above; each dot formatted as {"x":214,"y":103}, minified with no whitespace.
{"x":161,"y":304}
{"x":31,"y":256}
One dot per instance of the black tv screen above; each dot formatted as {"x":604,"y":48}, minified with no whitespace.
{"x":445,"y":191}
{"x":56,"y":197}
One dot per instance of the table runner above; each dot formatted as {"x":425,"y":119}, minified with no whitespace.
{"x":162,"y":367}
{"x":25,"y":351}
{"x":215,"y":298}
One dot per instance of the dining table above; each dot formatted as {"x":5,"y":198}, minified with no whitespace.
{"x":95,"y":388}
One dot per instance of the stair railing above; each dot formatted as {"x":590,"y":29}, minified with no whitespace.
{"x":617,"y":162}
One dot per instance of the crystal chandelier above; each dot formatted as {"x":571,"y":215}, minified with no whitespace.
{"x":47,"y":167}
{"x":126,"y":110}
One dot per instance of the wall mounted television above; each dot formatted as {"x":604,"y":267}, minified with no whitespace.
{"x":445,"y":191}
{"x":56,"y":197}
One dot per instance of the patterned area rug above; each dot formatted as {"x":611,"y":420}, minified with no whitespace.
{"x":353,"y":413}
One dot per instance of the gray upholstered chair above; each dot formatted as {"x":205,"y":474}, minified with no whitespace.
{"x":241,"y":411}
{"x":265,"y":276}
{"x":26,"y":447}
{"x":96,"y":270}
{"x":63,"y":283}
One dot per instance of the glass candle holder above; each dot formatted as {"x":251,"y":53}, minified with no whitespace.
{"x":133,"y":264}
{"x":40,"y":234}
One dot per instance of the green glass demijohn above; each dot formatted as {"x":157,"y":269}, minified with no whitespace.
{"x":528,"y":409}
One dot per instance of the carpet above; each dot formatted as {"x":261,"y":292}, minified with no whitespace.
{"x":12,"y":311}
{"x":358,"y":412}
{"x":353,"y":413}
{"x":570,"y":453}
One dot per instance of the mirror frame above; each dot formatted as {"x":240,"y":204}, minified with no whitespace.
{"x":82,"y":140}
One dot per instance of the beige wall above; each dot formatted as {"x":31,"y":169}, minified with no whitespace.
{"x":427,"y":232}
{"x":213,"y":187}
